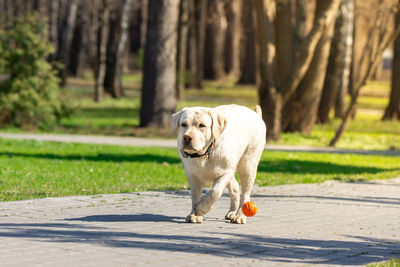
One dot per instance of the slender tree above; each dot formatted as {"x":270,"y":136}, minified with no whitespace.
{"x":64,"y":47}
{"x":182,"y":48}
{"x":337,"y":73}
{"x":232,"y":40}
{"x":215,"y":40}
{"x":378,"y":40}
{"x":116,"y":50}
{"x":159,"y":70}
{"x":247,"y":57}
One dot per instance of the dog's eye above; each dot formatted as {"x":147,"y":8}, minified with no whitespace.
{"x":183,"y":124}
{"x":202,"y":125}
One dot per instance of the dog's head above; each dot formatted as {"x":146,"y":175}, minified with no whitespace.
{"x":197,"y":127}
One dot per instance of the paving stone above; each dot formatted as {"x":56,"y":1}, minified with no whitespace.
{"x":328,"y":224}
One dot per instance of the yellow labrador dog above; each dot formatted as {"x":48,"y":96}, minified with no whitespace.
{"x":213,"y":143}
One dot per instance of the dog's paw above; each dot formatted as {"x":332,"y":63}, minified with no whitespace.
{"x":230,"y":215}
{"x":192,"y":218}
{"x":240,"y":219}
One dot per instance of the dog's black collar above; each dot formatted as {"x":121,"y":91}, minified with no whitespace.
{"x":197,"y":155}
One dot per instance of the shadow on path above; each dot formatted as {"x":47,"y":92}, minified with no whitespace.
{"x":357,"y":250}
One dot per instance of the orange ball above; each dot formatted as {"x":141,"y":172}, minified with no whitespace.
{"x":249,"y":209}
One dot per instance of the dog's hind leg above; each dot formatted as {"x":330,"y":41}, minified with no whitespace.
{"x":247,"y":170}
{"x":233,"y":188}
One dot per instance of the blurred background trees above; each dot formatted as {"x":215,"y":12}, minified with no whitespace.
{"x":309,"y":59}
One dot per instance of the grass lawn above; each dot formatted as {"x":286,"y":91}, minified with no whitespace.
{"x":121,"y":116}
{"x":395,"y":262}
{"x":32,"y":169}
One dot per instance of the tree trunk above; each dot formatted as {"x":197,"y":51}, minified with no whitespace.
{"x":269,"y":96}
{"x":183,"y":27}
{"x":337,"y":65}
{"x":345,"y":71}
{"x":143,"y":28}
{"x":248,"y":63}
{"x":284,"y":39}
{"x":392,"y":111}
{"x":300,"y":112}
{"x":159,"y":70}
{"x":232,"y":40}
{"x":377,"y":41}
{"x":215,"y":41}
{"x":66,"y":39}
{"x":193,"y":47}
{"x":100,"y":68}
{"x":197,"y":33}
{"x":77,"y":55}
{"x":115,"y":52}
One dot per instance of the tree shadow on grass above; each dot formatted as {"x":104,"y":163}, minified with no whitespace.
{"x":117,"y":158}
{"x":295,"y":166}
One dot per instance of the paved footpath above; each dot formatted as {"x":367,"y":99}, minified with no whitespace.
{"x":324,"y":224}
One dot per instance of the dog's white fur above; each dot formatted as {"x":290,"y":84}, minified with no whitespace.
{"x":239,"y":135}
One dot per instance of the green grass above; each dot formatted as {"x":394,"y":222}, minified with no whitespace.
{"x":395,"y":262}
{"x":32,"y":169}
{"x":121,"y":116}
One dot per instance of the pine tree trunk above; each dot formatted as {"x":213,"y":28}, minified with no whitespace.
{"x":247,"y":62}
{"x":159,"y":70}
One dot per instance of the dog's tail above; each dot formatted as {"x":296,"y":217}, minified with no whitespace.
{"x":258,"y":110}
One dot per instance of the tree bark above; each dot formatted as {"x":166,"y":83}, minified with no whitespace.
{"x":159,"y":72}
{"x":284,"y":39}
{"x":269,"y":96}
{"x":197,"y":34}
{"x":306,"y":51}
{"x":300,"y":112}
{"x":392,"y":111}
{"x":64,"y":47}
{"x":183,"y":28}
{"x":215,"y":41}
{"x":345,"y":71}
{"x":339,"y":63}
{"x":232,"y":40}
{"x":100,"y":68}
{"x":113,"y":76}
{"x":248,"y":65}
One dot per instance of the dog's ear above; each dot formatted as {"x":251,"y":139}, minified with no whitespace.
{"x":218,"y":123}
{"x":175,"y":120}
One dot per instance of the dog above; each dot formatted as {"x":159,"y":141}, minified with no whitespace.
{"x":214,"y":143}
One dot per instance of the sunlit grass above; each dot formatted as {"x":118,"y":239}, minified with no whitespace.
{"x":32,"y":169}
{"x":121,"y":116}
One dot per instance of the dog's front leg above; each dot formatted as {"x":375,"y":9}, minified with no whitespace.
{"x":196,"y":190}
{"x":204,"y":205}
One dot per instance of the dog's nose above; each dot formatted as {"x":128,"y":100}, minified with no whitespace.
{"x":187,"y":138}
